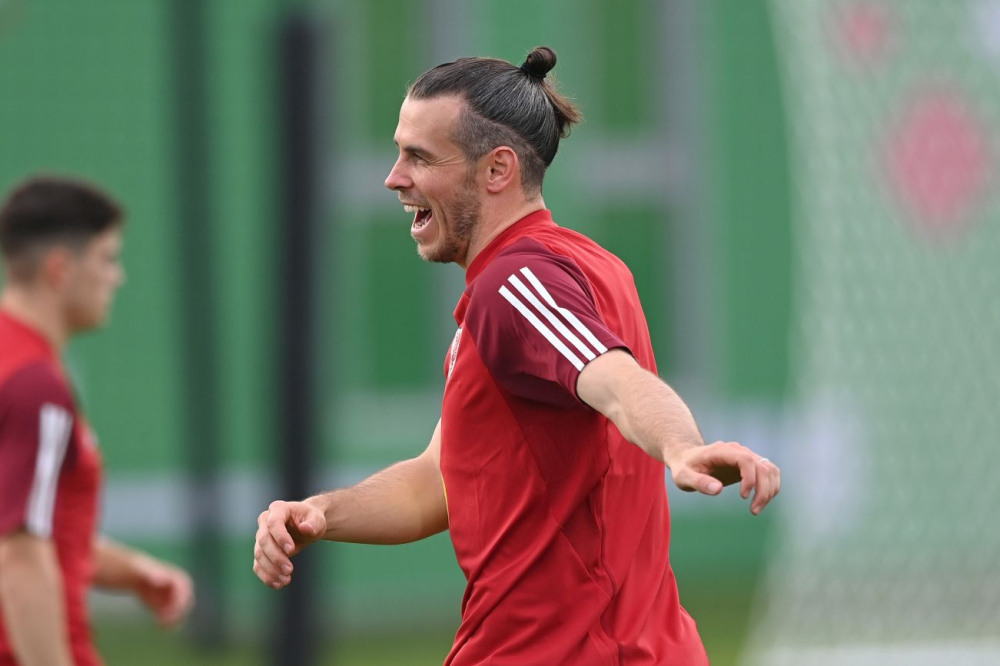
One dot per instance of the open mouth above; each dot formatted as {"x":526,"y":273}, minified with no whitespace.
{"x":422,"y":216}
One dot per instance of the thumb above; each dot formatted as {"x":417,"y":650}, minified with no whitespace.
{"x":160,"y":578}
{"x":308,"y":521}
{"x":307,"y":526}
{"x":154,"y":575}
{"x":693,"y":481}
{"x":709,"y":485}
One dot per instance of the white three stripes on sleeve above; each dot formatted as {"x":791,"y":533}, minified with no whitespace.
{"x":548,"y":308}
{"x":55,"y":427}
{"x":577,"y":324}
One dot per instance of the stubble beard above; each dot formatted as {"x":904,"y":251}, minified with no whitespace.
{"x":464,"y":217}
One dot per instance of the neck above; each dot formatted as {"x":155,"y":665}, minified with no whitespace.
{"x":494,"y":224}
{"x":38,"y":311}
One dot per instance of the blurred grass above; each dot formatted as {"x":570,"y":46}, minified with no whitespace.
{"x":124,"y":644}
{"x":399,"y":606}
{"x":717,"y":559}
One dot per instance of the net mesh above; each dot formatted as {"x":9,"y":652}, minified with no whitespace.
{"x":890,"y":542}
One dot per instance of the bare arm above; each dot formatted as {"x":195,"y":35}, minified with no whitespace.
{"x":400,"y":504}
{"x":653,"y":417}
{"x":165,"y":589}
{"x":646,"y":410}
{"x":31,"y":598}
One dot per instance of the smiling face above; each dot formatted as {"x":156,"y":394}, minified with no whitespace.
{"x":434,"y":180}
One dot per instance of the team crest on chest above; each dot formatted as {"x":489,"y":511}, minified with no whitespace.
{"x":454,"y":351}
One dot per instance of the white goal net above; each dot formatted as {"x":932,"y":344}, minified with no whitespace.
{"x":889,"y":547}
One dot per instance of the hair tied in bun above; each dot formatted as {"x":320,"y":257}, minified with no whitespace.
{"x":539,"y":62}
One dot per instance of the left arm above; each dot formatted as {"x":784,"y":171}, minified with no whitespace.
{"x":653,"y":417}
{"x":165,"y":589}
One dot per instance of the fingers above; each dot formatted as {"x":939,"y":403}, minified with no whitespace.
{"x":745,"y":460}
{"x":706,"y":469}
{"x":768,"y":485}
{"x":762,"y":487}
{"x":271,"y":564}
{"x":275,"y":521}
{"x":184,"y":597}
{"x":759,"y":475}
{"x":168,"y":591}
{"x":282,"y":531}
{"x":273,"y":545}
{"x":180,"y":600}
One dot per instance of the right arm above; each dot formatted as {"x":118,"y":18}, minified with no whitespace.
{"x":400,"y":504}
{"x":36,"y":431}
{"x":31,"y":599}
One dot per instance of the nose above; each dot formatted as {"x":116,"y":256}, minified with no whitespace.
{"x":397,"y":178}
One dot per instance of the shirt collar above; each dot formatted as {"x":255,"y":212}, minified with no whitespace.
{"x":530,"y":222}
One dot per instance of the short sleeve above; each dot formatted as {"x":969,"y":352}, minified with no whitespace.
{"x":536,"y":325}
{"x":36,"y":425}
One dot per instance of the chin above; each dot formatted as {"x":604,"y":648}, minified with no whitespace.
{"x":443,"y":252}
{"x":434,"y":254}
{"x":94,"y":322}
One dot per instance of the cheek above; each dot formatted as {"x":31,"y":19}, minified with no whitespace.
{"x":113,"y":278}
{"x":92,"y":288}
{"x":79,"y":300}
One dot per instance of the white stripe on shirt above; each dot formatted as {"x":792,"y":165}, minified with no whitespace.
{"x":541,"y":327}
{"x":566,"y":333}
{"x":570,"y":317}
{"x":55,"y":428}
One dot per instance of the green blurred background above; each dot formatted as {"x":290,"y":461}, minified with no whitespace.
{"x":682,"y":168}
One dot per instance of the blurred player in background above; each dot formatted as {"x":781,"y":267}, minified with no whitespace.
{"x":60,"y":241}
{"x":547,"y":463}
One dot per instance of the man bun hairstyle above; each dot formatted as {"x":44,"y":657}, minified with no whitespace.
{"x":505,"y":105}
{"x":539,"y":62}
{"x":45,"y":211}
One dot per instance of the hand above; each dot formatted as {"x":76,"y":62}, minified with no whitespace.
{"x":283,"y":531}
{"x":708,"y":468}
{"x":166,"y":590}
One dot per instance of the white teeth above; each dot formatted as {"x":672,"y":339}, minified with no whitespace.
{"x":414,"y":209}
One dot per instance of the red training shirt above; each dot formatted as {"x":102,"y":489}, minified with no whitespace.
{"x":50,"y":472}
{"x":560,"y":525}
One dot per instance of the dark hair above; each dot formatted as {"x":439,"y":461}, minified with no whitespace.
{"x":505,"y":105}
{"x":51,"y":210}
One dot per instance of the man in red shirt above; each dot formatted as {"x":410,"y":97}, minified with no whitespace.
{"x":60,"y":241}
{"x":547,"y":463}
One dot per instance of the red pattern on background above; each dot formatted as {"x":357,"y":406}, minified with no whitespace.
{"x":939,"y":160}
{"x":863,"y":31}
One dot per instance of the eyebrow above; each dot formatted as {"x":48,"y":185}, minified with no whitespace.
{"x":414,"y":150}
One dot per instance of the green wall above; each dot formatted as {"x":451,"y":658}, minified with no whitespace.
{"x":84,"y":92}
{"x":88,"y":88}
{"x":750,"y":200}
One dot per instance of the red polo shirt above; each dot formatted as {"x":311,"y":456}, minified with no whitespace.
{"x":560,"y":525}
{"x":50,"y":472}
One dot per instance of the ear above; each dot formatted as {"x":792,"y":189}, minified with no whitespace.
{"x":502,"y":169}
{"x":57,"y":267}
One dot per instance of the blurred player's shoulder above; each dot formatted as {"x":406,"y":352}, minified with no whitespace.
{"x":27,"y":362}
